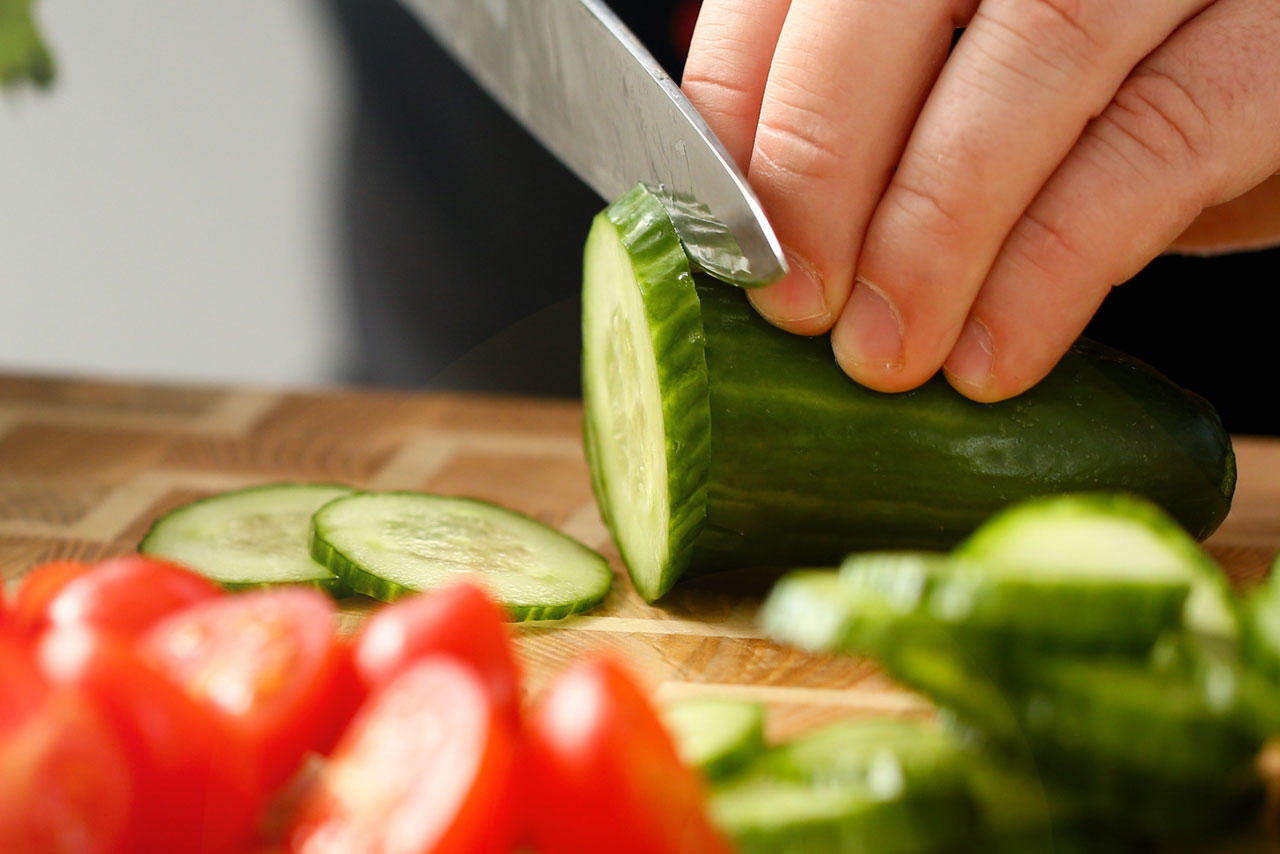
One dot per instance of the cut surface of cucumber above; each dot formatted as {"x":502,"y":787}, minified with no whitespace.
{"x":1091,"y":533}
{"x":247,"y":537}
{"x":388,"y":544}
{"x":644,"y":388}
{"x":715,"y":736}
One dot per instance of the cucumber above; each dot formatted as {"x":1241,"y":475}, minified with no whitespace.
{"x":1260,"y":625}
{"x":859,"y":786}
{"x":248,"y":537}
{"x":1107,"y":533}
{"x":388,"y":544}
{"x":721,"y":442}
{"x":644,"y":389}
{"x":1104,"y":606}
{"x":715,"y":736}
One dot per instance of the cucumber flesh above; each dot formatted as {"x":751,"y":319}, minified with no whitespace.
{"x":715,"y":736}
{"x":644,"y":389}
{"x":248,"y":537}
{"x":388,"y":544}
{"x":1090,"y":533}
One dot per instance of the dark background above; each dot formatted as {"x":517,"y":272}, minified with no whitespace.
{"x":463,"y":241}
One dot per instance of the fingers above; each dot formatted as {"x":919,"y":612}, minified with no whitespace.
{"x":1250,"y":221}
{"x":1196,"y":124}
{"x":845,"y":85}
{"x":724,"y":76}
{"x":1011,"y":102}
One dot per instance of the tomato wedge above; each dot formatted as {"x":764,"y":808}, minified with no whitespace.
{"x":194,"y":786}
{"x":269,"y":662}
{"x":126,"y":595}
{"x":605,"y":774}
{"x":66,"y":785}
{"x":459,"y":620}
{"x":424,"y":769}
{"x":29,"y":610}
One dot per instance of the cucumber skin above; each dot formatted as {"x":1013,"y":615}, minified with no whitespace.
{"x":807,"y":465}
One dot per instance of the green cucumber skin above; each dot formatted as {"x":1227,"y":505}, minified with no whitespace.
{"x":673,"y":309}
{"x":807,"y":465}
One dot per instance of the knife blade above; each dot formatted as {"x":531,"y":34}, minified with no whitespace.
{"x":573,"y":74}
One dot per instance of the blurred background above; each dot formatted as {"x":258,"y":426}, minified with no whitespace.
{"x":167,"y":210}
{"x":308,"y":192}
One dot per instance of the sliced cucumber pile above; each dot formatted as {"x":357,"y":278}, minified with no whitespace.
{"x":388,"y":544}
{"x":851,"y":787}
{"x":715,"y":736}
{"x":1085,"y":640}
{"x":248,"y":538}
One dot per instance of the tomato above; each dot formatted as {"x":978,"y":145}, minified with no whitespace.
{"x":460,"y":620}
{"x":605,"y":774}
{"x":67,"y":788}
{"x":29,"y":611}
{"x":424,"y":769}
{"x":126,"y":595}
{"x":271,"y":663}
{"x":194,"y":785}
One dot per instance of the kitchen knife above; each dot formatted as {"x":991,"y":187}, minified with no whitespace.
{"x":573,"y":74}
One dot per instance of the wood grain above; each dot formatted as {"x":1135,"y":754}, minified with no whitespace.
{"x":86,"y":467}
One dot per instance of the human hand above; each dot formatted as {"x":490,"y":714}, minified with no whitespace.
{"x":970,"y":211}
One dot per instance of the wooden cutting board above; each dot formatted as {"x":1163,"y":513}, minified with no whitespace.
{"x":86,"y":467}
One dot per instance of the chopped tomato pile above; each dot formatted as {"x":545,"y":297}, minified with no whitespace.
{"x":143,"y":709}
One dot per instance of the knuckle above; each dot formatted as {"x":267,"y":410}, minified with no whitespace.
{"x":1045,"y":245}
{"x":1162,"y":116}
{"x":1057,"y":32}
{"x":797,"y":143}
{"x":928,"y":210}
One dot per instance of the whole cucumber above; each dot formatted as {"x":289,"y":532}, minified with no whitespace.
{"x":717,"y":441}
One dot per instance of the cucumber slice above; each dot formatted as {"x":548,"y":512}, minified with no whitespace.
{"x":388,"y":544}
{"x":1260,"y":625}
{"x":860,"y":786}
{"x":716,"y":736}
{"x":248,"y":538}
{"x":644,"y":388}
{"x":1112,"y":533}
{"x":1088,"y":607}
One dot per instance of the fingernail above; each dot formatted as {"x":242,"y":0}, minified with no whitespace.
{"x":970,"y":359}
{"x":800,"y":296}
{"x":874,"y":332}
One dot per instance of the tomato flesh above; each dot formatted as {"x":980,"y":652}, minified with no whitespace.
{"x":67,"y":786}
{"x":126,"y":595}
{"x":605,"y":774}
{"x":269,"y":662}
{"x":194,"y":785}
{"x":29,"y":610}
{"x":425,"y":768}
{"x":460,"y":620}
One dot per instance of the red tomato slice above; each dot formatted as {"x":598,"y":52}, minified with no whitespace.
{"x":194,"y":784}
{"x":424,"y":769}
{"x":270,"y":662}
{"x":67,"y":788}
{"x":29,"y":611}
{"x":460,"y":620}
{"x":126,"y":595}
{"x":605,"y":774}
